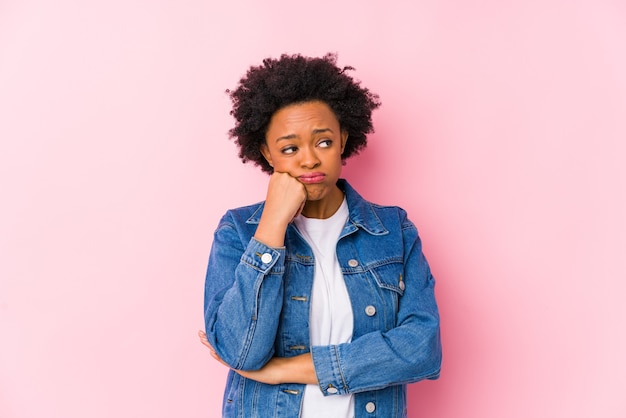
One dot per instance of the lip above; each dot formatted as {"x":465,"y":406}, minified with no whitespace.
{"x":312,"y":178}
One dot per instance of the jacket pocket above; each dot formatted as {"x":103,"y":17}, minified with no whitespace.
{"x":389,"y":280}
{"x":390,"y":276}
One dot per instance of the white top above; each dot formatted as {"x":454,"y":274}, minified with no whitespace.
{"x":330,"y":317}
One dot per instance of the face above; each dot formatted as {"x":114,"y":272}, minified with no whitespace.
{"x":306,"y":141}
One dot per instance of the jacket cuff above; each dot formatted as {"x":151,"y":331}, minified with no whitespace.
{"x":328,"y":370}
{"x":263,"y":258}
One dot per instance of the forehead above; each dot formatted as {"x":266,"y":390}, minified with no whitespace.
{"x":307,"y":115}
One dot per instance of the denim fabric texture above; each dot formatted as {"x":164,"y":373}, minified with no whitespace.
{"x":257,"y":306}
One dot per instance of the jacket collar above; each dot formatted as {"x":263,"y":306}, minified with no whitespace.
{"x":361,"y":215}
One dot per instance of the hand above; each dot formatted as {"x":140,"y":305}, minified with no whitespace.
{"x":286,"y":197}
{"x":267,"y":374}
{"x":205,"y":342}
{"x":298,"y":369}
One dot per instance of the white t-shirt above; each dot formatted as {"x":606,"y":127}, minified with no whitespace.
{"x":330,"y":317}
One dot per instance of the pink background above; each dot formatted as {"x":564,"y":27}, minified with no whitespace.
{"x":502,"y":132}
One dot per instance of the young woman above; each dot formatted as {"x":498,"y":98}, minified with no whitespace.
{"x":320,"y":303}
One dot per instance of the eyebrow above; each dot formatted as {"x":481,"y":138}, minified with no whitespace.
{"x":294,"y":136}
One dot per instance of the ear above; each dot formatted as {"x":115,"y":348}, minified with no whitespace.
{"x":344,"y":140}
{"x":266,"y":154}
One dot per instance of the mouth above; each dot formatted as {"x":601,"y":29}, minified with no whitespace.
{"x":312,"y":178}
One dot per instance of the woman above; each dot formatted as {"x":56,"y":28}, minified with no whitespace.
{"x":320,"y":303}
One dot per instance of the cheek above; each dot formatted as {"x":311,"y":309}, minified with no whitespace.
{"x":278,"y":161}
{"x":284,"y":164}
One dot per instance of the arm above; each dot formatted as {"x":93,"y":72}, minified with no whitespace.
{"x":408,"y":352}
{"x":241,"y":289}
{"x":298,"y":369}
{"x":244,"y":288}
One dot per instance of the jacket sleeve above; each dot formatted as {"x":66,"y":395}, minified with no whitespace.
{"x":409,"y":352}
{"x":243,"y":289}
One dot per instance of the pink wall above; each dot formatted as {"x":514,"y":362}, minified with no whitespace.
{"x":502,"y":132}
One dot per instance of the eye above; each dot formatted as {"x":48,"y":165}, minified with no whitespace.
{"x":325,"y":143}
{"x":289,"y":149}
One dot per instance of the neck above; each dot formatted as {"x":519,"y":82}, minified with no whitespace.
{"x":324,"y":208}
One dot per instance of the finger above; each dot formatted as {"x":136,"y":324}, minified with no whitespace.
{"x":204,"y":340}
{"x":218,"y":358}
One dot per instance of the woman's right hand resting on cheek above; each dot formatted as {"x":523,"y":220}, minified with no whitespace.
{"x":286,"y":198}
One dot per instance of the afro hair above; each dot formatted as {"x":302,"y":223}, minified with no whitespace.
{"x":293,"y":79}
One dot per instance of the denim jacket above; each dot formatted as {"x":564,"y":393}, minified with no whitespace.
{"x":257,"y":302}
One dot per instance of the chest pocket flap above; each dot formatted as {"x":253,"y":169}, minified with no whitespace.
{"x":390,"y":276}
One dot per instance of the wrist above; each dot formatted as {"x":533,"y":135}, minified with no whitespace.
{"x":271,"y":234}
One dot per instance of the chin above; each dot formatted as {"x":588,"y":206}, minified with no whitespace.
{"x":316,"y":192}
{"x":312,"y":197}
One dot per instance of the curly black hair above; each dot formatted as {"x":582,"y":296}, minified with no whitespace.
{"x":293,"y":79}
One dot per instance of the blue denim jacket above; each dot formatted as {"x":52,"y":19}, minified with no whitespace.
{"x":257,"y":306}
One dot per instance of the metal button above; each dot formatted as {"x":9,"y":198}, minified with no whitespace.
{"x":370,"y":407}
{"x":266,"y":258}
{"x":332,"y":390}
{"x":370,"y":310}
{"x":353,"y":263}
{"x":401,"y":285}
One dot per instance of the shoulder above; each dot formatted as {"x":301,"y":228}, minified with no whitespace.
{"x":393,"y":213}
{"x":371,"y":214}
{"x":244,"y":211}
{"x":244,"y":217}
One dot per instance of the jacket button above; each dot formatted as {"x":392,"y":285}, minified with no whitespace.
{"x":266,"y":258}
{"x":370,"y":407}
{"x":370,"y":310}
{"x":401,"y":285}
{"x":353,"y":263}
{"x":332,"y":390}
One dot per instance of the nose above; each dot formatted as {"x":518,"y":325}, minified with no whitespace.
{"x":308,"y":158}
